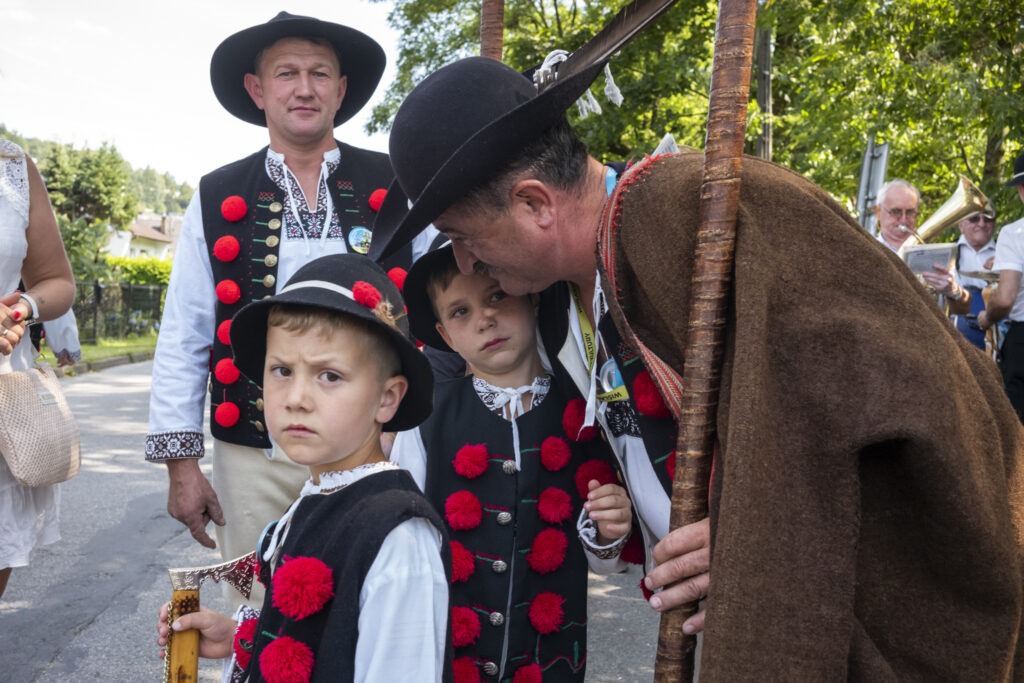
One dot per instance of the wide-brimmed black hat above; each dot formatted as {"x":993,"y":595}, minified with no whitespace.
{"x":361,"y":59}
{"x":1018,"y":172}
{"x":455,"y":132}
{"x":349,"y":284}
{"x":422,"y":319}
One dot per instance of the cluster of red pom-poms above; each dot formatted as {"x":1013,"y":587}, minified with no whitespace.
{"x":397,"y":276}
{"x":228,"y":292}
{"x":531,"y":673}
{"x":572,"y":421}
{"x":465,"y":626}
{"x":554,"y":505}
{"x":224,"y":332}
{"x":465,"y":670}
{"x":554,"y":453}
{"x":366,"y":294}
{"x":226,"y":372}
{"x":548,"y":551}
{"x":593,"y":469}
{"x":463,"y":511}
{"x":233,"y":208}
{"x":463,"y":563}
{"x":246,"y":631}
{"x":546,"y":612}
{"x":377,"y":198}
{"x":227,"y":248}
{"x":227,"y":414}
{"x":647,"y":397}
{"x":302,"y":586}
{"x":645,"y":590}
{"x":471,"y":460}
{"x":286,"y":660}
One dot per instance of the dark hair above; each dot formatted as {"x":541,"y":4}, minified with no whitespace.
{"x":440,"y":278}
{"x":558,"y":158}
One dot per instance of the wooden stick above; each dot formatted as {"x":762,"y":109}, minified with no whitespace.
{"x":711,"y":281}
{"x":181,"y":659}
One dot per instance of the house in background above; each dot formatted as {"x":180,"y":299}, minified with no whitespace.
{"x":150,"y":235}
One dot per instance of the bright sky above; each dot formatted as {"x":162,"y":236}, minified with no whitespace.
{"x":137,"y":75}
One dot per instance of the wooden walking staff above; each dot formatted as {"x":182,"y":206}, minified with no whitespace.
{"x":711,"y":280}
{"x":181,"y":659}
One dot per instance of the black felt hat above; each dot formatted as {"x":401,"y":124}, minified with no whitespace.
{"x":349,"y":284}
{"x":361,"y":59}
{"x":455,"y":132}
{"x":422,"y":319}
{"x":1018,"y":172}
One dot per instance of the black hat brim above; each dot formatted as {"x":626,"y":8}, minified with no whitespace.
{"x":362,"y":61}
{"x":477,"y":161}
{"x":422,"y":319}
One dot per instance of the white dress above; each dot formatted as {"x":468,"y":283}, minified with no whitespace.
{"x":28,"y":516}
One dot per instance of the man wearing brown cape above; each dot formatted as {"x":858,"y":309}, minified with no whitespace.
{"x":867,"y":498}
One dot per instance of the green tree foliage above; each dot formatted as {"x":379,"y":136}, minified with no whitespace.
{"x":84,"y":241}
{"x":140,"y":270}
{"x":159,"y":192}
{"x":93,"y":184}
{"x":940,"y":80}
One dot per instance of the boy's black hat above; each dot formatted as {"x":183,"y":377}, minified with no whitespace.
{"x":348,"y":284}
{"x":362,"y":61}
{"x":422,"y":319}
{"x":455,"y":132}
{"x":1018,"y":172}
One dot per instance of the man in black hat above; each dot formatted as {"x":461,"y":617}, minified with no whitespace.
{"x":249,"y":227}
{"x":1007,"y":301}
{"x":867,"y":475}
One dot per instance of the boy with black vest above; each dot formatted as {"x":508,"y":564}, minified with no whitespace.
{"x":357,"y":569}
{"x":504,"y":459}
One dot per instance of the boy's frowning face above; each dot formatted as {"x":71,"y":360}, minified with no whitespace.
{"x":494,"y":332}
{"x":325,"y":399}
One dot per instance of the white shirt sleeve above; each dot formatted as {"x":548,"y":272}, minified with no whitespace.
{"x":1010,"y":248}
{"x":181,"y":364}
{"x":409,"y":453}
{"x":62,"y":335}
{"x":403,"y":609}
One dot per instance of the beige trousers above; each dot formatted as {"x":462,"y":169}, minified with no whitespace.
{"x":253,"y":491}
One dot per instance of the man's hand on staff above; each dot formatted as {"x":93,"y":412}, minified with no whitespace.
{"x":216,"y":631}
{"x":683,"y":561}
{"x":191,"y":499}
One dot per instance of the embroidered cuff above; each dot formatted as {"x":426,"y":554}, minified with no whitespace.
{"x":587,"y":531}
{"x":174,"y":446}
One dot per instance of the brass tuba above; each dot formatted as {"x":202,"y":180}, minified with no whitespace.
{"x":966,"y":199}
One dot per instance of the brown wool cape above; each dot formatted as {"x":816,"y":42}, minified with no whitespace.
{"x":868,"y":499}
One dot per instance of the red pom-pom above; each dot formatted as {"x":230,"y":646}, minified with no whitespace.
{"x":531,"y":673}
{"x":366,"y":294}
{"x":226,"y":248}
{"x":228,"y":292}
{"x":224,"y":332}
{"x":227,"y":414}
{"x":233,"y":208}
{"x":302,"y":586}
{"x":593,"y":469}
{"x":554,"y":505}
{"x":463,"y":563}
{"x":286,"y":660}
{"x":645,"y":590}
{"x":647,"y":397}
{"x":572,"y":421}
{"x":633,"y":551}
{"x":670,"y":465}
{"x":548,"y":551}
{"x":377,"y":198}
{"x":246,"y":631}
{"x":546,"y":613}
{"x":226,"y":372}
{"x":397,"y":276}
{"x":471,"y":460}
{"x":465,"y":626}
{"x":465,"y":670}
{"x":463,"y":511}
{"x":554,"y":453}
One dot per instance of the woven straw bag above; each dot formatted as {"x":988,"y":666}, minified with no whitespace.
{"x":38,"y":433}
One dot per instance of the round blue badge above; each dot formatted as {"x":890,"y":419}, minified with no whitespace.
{"x":359,"y":239}
{"x":610,"y":376}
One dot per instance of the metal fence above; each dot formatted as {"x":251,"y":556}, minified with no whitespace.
{"x":116,"y":311}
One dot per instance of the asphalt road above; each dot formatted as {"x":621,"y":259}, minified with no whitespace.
{"x":85,"y":610}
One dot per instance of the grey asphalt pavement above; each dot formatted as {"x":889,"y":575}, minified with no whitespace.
{"x":85,"y":610}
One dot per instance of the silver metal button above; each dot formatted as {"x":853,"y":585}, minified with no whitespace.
{"x":490,"y":668}
{"x":508,"y":467}
{"x":496,"y":618}
{"x":499,"y":567}
{"x":504,"y":518}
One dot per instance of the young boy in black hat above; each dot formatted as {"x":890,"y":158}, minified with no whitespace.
{"x":356,"y":571}
{"x":504,"y":459}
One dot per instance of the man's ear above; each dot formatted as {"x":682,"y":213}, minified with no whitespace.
{"x":535,"y":197}
{"x":254,"y":87}
{"x":391,"y":397}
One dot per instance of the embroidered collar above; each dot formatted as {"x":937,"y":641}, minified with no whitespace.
{"x":300,"y":222}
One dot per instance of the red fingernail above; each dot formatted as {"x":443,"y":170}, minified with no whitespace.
{"x":16,"y":315}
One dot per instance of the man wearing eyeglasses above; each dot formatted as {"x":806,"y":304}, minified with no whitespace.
{"x":1007,"y":300}
{"x":896,"y":212}
{"x":975,"y":252}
